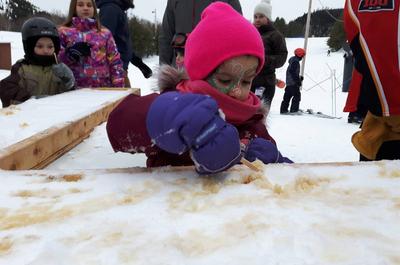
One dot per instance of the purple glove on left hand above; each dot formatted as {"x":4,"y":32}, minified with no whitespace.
{"x":265,"y":151}
{"x":178,"y":123}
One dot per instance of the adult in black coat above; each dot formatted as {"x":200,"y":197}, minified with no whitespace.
{"x":113,"y":16}
{"x":181,"y":16}
{"x":275,"y":52}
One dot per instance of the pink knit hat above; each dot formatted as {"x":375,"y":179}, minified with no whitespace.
{"x":221,"y":34}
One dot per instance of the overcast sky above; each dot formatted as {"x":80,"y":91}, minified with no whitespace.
{"x":288,"y":9}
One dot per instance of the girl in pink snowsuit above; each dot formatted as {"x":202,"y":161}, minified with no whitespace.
{"x":89,"y":49}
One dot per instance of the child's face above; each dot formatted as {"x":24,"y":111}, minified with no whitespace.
{"x":84,"y":9}
{"x":234,"y":77}
{"x":260,"y":20}
{"x":44,"y":46}
{"x":179,"y":59}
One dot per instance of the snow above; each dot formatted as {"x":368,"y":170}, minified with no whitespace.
{"x":35,"y":114}
{"x":297,"y":215}
{"x":94,"y":206}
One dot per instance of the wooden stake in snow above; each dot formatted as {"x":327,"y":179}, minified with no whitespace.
{"x":55,"y":57}
{"x":249,"y":164}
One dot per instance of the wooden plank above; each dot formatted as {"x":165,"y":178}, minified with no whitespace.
{"x":5,"y":58}
{"x":112,"y":88}
{"x":169,"y":169}
{"x":61,"y":152}
{"x":43,"y":148}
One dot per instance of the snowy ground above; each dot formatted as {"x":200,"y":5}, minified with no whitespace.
{"x":343,"y":214}
{"x":25,"y":120}
{"x":309,"y":215}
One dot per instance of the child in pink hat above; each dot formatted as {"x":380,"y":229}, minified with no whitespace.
{"x":205,"y":116}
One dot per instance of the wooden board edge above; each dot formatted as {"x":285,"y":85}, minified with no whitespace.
{"x":61,"y":152}
{"x":177,"y":169}
{"x":46,"y":146}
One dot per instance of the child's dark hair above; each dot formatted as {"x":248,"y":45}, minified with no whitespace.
{"x":72,"y":13}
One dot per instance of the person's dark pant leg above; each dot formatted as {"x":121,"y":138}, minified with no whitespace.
{"x":286,"y":99}
{"x":268,"y":94}
{"x":296,"y":99}
{"x":258,"y":81}
{"x":389,"y":150}
{"x":268,"y":83}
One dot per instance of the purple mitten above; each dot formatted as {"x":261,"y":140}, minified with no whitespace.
{"x":179,"y":122}
{"x":265,"y":151}
{"x":216,"y":151}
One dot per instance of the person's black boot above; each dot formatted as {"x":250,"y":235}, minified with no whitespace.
{"x":354,"y":119}
{"x":138,"y":62}
{"x":146,"y":71}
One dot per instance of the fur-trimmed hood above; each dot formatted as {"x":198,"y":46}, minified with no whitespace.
{"x":169,"y":77}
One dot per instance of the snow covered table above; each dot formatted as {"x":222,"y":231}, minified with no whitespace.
{"x":35,"y":130}
{"x":288,"y":214}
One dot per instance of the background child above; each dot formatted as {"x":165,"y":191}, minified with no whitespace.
{"x":89,"y":49}
{"x":178,"y":43}
{"x":293,"y":83}
{"x":208,"y":118}
{"x":38,"y":74}
{"x":182,"y":16}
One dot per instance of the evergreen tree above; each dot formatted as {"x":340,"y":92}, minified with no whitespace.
{"x":4,"y":23}
{"x":321,"y":23}
{"x":295,"y":29}
{"x":144,"y":37}
{"x":280,"y":24}
{"x":57,"y":18}
{"x":337,"y":36}
{"x":17,"y":11}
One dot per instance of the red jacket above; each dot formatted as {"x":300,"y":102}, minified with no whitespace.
{"x":372,"y":29}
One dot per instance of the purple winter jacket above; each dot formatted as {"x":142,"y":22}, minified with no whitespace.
{"x":103,"y":68}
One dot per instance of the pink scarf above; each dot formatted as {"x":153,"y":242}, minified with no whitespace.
{"x":236,"y":112}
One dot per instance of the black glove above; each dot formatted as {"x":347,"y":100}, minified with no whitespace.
{"x":300,"y":83}
{"x":65,"y":74}
{"x":78,"y":51}
{"x":138,"y":62}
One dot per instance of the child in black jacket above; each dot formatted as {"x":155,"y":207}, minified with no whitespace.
{"x":39,"y":73}
{"x":293,"y":83}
